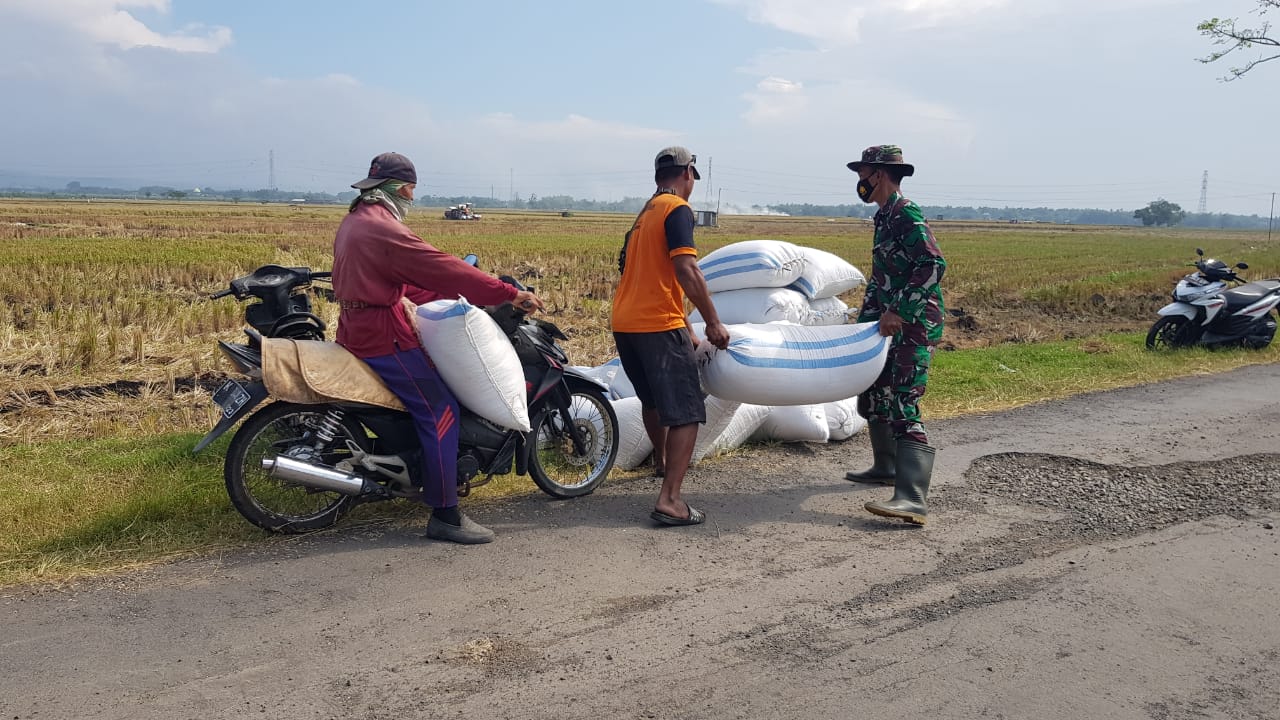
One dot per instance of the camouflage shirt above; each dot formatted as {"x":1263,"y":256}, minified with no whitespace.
{"x":906,"y":269}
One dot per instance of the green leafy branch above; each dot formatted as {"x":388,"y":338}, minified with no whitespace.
{"x":1225,"y":32}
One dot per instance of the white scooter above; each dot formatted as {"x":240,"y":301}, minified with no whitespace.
{"x":1205,"y":312}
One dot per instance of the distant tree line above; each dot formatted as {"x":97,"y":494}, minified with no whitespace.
{"x":1159,"y":212}
{"x":1156,"y":213}
{"x":164,"y":192}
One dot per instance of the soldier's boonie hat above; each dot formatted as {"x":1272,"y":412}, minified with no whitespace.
{"x":676,"y":156}
{"x":388,"y":166}
{"x":883,"y":155}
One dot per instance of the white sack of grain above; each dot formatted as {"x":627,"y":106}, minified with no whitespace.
{"x":475,"y":359}
{"x":758,"y":305}
{"x":827,"y":311}
{"x":826,"y":274}
{"x":782,"y":364}
{"x":719,"y":414}
{"x":633,"y":442}
{"x":752,"y":264}
{"x":794,"y":423}
{"x":843,"y":419}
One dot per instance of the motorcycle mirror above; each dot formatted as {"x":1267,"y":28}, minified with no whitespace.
{"x":472,"y":260}
{"x":1199,"y":251}
{"x":1242,"y":266}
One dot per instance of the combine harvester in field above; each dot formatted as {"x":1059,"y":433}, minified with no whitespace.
{"x":461,"y":212}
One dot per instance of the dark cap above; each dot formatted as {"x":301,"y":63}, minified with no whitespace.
{"x":883,"y":155}
{"x":676,"y":156}
{"x":388,"y":166}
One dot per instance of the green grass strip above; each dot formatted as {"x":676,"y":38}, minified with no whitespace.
{"x":1013,"y":375}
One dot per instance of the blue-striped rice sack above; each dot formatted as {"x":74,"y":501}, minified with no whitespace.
{"x":782,"y":364}
{"x":752,"y":264}
{"x":758,"y":305}
{"x":826,"y":275}
{"x":475,"y":360}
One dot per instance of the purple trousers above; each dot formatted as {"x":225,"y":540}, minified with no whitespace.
{"x":411,"y":376}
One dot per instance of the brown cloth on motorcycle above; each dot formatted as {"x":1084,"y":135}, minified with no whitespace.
{"x":377,"y":261}
{"x":311,"y":372}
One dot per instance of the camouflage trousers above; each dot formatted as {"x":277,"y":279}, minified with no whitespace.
{"x":894,"y":398}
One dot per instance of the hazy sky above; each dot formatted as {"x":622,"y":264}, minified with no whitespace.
{"x":1063,"y":103}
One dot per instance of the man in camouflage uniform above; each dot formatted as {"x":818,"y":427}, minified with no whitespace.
{"x":904,"y":294}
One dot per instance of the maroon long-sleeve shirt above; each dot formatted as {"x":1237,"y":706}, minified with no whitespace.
{"x":377,"y":260}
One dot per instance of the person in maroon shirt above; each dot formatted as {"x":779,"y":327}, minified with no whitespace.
{"x":378,"y":261}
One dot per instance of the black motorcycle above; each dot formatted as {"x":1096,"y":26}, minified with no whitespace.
{"x":300,"y":466}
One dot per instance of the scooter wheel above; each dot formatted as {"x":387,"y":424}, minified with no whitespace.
{"x":1167,"y":333}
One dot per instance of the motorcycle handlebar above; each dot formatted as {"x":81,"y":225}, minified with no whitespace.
{"x":221,"y":294}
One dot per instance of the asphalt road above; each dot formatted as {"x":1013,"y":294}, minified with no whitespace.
{"x":1110,"y":556}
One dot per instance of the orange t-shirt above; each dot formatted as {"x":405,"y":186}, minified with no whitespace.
{"x":649,"y":297}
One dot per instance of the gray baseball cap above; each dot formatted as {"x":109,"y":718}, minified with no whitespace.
{"x":676,"y":156}
{"x":388,"y":166}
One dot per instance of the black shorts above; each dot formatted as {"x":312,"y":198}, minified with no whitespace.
{"x":662,"y":369}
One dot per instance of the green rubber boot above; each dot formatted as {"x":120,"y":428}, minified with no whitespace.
{"x":914,"y":470}
{"x":883,"y":453}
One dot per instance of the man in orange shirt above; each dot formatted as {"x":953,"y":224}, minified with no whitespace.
{"x":659,"y":265}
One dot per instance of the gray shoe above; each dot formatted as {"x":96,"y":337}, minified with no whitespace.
{"x":469,"y":532}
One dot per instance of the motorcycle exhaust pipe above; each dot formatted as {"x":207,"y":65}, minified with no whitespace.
{"x":319,"y":477}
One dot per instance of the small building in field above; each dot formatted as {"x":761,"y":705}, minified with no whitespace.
{"x":704,"y":218}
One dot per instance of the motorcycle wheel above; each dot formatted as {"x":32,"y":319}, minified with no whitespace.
{"x":554,"y":466}
{"x":270,"y":503}
{"x":1167,"y":333}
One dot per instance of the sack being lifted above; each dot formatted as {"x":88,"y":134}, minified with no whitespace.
{"x":782,"y":364}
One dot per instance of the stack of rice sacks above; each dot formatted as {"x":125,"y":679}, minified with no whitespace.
{"x":765,"y":292}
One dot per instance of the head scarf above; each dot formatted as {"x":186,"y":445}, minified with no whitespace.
{"x":388,"y":195}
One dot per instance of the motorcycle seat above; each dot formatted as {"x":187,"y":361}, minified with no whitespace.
{"x":313,"y":372}
{"x":1249,"y":293}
